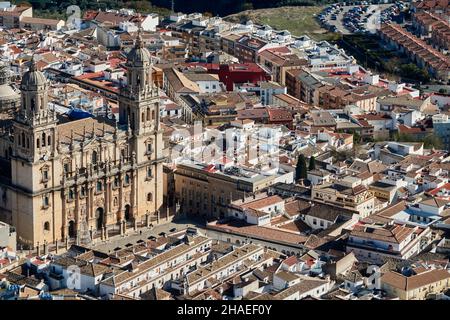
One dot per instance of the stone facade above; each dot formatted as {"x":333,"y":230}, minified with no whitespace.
{"x":87,"y":178}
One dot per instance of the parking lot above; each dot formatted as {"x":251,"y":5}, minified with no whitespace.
{"x":361,"y":18}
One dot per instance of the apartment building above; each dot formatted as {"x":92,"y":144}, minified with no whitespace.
{"x":206,"y":191}
{"x":376,"y":243}
{"x":347,"y":193}
{"x":279,"y":63}
{"x":417,"y":286}
{"x":417,"y":50}
{"x":121,"y":273}
{"x":434,"y":28}
{"x":241,"y":259}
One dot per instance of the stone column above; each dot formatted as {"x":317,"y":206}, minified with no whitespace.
{"x":91,"y":234}
{"x":135,"y":224}
{"x":45,"y":247}
{"x":147,"y":220}
{"x":122,"y":227}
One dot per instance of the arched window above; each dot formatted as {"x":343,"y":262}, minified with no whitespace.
{"x":38,"y":143}
{"x":94,"y":157}
{"x":28,"y":142}
{"x":148,"y":114}
{"x":99,"y":186}
{"x":116,"y":182}
{"x":127,"y":179}
{"x":153,"y":114}
{"x":149,"y":196}
{"x":49,"y":141}
{"x":115,"y":201}
{"x":47,"y":226}
{"x":43,"y":139}
{"x":23,"y":139}
{"x":149,"y":172}
{"x":143,"y":117}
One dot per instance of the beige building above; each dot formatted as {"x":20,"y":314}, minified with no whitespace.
{"x":87,"y":178}
{"x":415,"y":287}
{"x":21,"y":16}
{"x":346,"y":193}
{"x":203,"y":190}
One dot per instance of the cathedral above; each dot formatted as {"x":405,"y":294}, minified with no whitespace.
{"x":63,"y":179}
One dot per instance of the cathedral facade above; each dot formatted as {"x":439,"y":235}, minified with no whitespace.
{"x":79,"y":179}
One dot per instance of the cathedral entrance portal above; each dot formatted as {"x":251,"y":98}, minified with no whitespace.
{"x":99,"y":214}
{"x":128,"y":215}
{"x":72,"y":229}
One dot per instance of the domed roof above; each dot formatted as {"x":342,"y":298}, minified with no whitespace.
{"x":7,"y":91}
{"x":33,"y":78}
{"x":139,"y":55}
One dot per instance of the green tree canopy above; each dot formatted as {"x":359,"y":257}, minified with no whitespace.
{"x":301,"y":171}
{"x":312,"y":163}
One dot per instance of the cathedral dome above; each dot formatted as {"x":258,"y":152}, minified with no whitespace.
{"x":33,"y":78}
{"x":9,"y":96}
{"x":139,"y":56}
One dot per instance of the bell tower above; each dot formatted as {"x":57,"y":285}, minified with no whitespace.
{"x":35,"y":123}
{"x":139,"y":98}
{"x":139,"y":113}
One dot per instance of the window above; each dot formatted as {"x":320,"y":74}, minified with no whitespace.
{"x":47,"y":226}
{"x":66,"y":168}
{"x":71,"y":194}
{"x":149,"y":148}
{"x":45,"y":201}
{"x":43,"y":139}
{"x":83,"y":191}
{"x":149,"y":172}
{"x":149,"y":196}
{"x":45,"y":174}
{"x":94,"y":157}
{"x":116,"y":182}
{"x":127,"y":179}
{"x":99,"y":186}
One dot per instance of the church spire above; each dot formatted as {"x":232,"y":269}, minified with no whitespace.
{"x":139,"y":40}
{"x":33,"y":65}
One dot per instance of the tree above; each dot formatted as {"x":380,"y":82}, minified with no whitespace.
{"x":301,"y":171}
{"x":433,"y":141}
{"x":312,"y":163}
{"x":413,"y":72}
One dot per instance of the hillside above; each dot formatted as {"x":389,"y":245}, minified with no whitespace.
{"x":298,"y":20}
